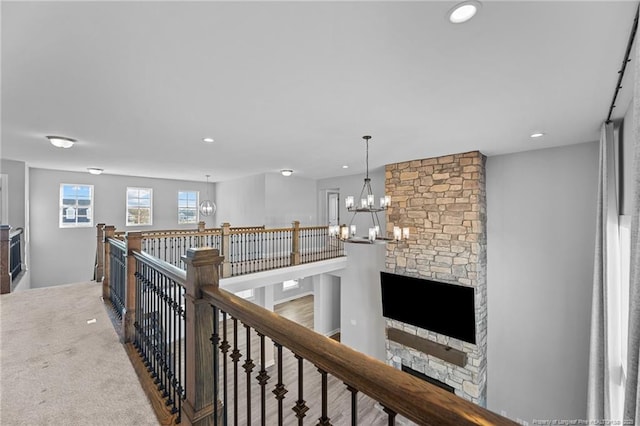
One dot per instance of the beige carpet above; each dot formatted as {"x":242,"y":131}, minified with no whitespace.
{"x":56,"y":369}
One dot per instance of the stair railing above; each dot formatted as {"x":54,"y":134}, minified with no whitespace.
{"x":207,"y":353}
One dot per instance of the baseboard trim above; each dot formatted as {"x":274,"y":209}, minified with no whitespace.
{"x":163,"y":414}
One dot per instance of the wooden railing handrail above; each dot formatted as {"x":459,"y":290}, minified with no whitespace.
{"x":118,"y":243}
{"x":394,"y":389}
{"x":15,"y":233}
{"x":235,"y":231}
{"x":193,"y":233}
{"x":167,"y":269}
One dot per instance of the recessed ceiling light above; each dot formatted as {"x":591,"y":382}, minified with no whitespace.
{"x":208,"y":140}
{"x":286,"y":172}
{"x":464,"y":11}
{"x":61,"y":142}
{"x":537,"y":135}
{"x":345,"y":167}
{"x":95,"y":171}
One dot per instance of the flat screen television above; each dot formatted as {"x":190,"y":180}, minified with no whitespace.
{"x":440,"y":307}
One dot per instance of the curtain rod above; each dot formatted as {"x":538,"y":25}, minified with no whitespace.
{"x":625,"y":61}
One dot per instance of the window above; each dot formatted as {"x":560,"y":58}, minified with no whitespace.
{"x":245,"y":294}
{"x":76,"y":205}
{"x":187,"y":207}
{"x":139,"y":203}
{"x":290,"y":285}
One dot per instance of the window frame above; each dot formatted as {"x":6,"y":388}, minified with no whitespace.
{"x":61,"y":206}
{"x":287,"y":287}
{"x":127,"y":223}
{"x":195,"y":208}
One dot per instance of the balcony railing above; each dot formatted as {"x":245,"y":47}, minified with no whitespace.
{"x":11,"y":257}
{"x":206,"y":351}
{"x":245,"y":249}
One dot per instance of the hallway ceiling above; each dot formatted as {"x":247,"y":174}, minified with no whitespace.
{"x":296,"y":84}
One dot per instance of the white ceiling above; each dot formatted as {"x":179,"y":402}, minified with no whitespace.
{"x":296,"y":84}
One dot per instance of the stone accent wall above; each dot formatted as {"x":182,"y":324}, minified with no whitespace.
{"x":442,"y":200}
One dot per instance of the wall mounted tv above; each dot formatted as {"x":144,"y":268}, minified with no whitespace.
{"x":443,"y":308}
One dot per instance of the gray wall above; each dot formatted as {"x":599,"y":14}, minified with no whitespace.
{"x":241,"y":202}
{"x":16,"y":171}
{"x":67,"y":255}
{"x":541,"y":237}
{"x":305,"y":286}
{"x":362,"y":326}
{"x":288,"y":199}
{"x":268,"y":199}
{"x":352,"y":185}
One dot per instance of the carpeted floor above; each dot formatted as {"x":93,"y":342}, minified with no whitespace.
{"x":58,"y":369}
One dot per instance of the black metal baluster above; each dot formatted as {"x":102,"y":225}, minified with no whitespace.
{"x":279,"y":391}
{"x":182,"y":351}
{"x":215,"y":339}
{"x":354,"y":405}
{"x":324,"y":419}
{"x":301,"y":407}
{"x":262,"y":378}
{"x":224,"y":347}
{"x":248,"y":368}
{"x":235,"y":357}
{"x":172,"y":346}
{"x":391,"y":416}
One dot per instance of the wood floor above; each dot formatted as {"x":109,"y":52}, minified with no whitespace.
{"x":300,"y":310}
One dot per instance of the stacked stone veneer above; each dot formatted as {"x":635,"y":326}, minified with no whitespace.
{"x":442,"y":200}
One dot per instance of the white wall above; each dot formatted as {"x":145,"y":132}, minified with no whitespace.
{"x":16,"y":171}
{"x":241,"y":202}
{"x":288,"y":199}
{"x":67,"y":255}
{"x":305,"y":286}
{"x":541,"y":208}
{"x":326,"y":304}
{"x":362,"y":326}
{"x":268,"y":199}
{"x":352,"y":185}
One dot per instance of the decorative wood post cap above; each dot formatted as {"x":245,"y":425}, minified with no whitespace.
{"x":134,"y":234}
{"x":201,"y":256}
{"x":3,"y":227}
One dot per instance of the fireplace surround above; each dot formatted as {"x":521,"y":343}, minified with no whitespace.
{"x":442,"y":200}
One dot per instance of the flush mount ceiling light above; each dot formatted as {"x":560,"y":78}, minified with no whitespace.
{"x":95,"y":171}
{"x":464,"y":11}
{"x":207,"y":140}
{"x":345,"y":167}
{"x":286,"y":172}
{"x":61,"y":142}
{"x":536,"y":135}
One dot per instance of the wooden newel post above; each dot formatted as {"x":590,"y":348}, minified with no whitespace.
{"x":134,"y":243}
{"x":99,"y":269}
{"x":109,"y":232}
{"x":5,"y":274}
{"x":226,"y":249}
{"x":295,"y":243}
{"x":201,"y":226}
{"x":202,"y":269}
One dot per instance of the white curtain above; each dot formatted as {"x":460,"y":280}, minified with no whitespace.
{"x":606,"y":377}
{"x":632,"y":393}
